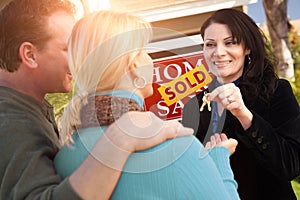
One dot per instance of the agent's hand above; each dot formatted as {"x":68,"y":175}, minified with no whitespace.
{"x":136,"y":131}
{"x":222,"y":140}
{"x":230,"y":97}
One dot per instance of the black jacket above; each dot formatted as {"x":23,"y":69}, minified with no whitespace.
{"x":267,"y":157}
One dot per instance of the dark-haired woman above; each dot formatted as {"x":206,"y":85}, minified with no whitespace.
{"x":249,"y":103}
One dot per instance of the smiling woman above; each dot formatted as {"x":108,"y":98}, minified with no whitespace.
{"x":250,"y":104}
{"x":223,"y":53}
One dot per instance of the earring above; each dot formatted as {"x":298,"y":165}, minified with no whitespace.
{"x":249,"y":59}
{"x":136,"y":82}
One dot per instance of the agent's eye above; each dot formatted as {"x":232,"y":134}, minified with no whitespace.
{"x":231,"y":42}
{"x":209,"y":44}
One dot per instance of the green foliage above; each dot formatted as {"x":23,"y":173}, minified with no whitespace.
{"x":59,"y":102}
{"x":294,"y":38}
{"x":296,"y":84}
{"x":296,"y":186}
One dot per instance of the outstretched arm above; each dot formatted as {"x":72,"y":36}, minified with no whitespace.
{"x":98,"y":175}
{"x":221,"y":159}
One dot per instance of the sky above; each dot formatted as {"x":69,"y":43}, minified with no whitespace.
{"x":256,"y":11}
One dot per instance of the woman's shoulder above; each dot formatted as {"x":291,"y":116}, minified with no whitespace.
{"x":71,"y":156}
{"x":282,"y":83}
{"x":284,"y":100}
{"x":283,"y":88}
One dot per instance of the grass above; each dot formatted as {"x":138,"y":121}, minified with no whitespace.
{"x":296,"y":187}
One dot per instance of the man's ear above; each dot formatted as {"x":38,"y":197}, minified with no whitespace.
{"x":27,"y":52}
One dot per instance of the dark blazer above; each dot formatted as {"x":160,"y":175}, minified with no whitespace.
{"x":267,"y":157}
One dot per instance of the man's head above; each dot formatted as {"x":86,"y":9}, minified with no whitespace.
{"x":33,"y":46}
{"x":25,"y":21}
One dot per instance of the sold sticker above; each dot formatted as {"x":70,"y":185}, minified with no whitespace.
{"x":185,"y":85}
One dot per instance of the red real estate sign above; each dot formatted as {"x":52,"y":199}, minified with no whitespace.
{"x":176,"y":80}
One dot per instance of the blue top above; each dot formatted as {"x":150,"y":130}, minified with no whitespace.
{"x":180,"y":168}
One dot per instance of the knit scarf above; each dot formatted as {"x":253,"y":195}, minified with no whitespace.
{"x":104,"y":110}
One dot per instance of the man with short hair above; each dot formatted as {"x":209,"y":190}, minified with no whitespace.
{"x":33,"y":61}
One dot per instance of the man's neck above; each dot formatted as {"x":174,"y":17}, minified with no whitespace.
{"x":16,"y":82}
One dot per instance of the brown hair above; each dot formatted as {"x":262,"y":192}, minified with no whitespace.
{"x":259,"y":77}
{"x":25,"y":21}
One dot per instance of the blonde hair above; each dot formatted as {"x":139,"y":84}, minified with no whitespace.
{"x":101,"y":45}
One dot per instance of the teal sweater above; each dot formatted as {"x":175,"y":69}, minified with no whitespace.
{"x":176,"y":169}
{"x":28,"y":143}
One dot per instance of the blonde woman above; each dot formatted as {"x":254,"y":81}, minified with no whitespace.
{"x":113,"y":74}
